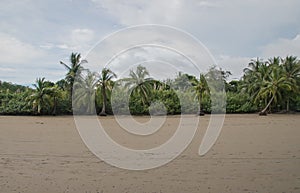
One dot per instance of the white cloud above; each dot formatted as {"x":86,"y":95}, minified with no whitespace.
{"x":141,"y":12}
{"x":7,"y":69}
{"x":77,"y":40}
{"x":81,"y":36}
{"x":14,"y":51}
{"x":225,"y":26}
{"x":234,"y":64}
{"x":160,"y":62}
{"x":151,"y":42}
{"x":63,"y":46}
{"x":47,"y":46}
{"x":21,"y":62}
{"x":180,"y":12}
{"x":282,"y":47}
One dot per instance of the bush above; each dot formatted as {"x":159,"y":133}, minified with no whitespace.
{"x":239,"y":103}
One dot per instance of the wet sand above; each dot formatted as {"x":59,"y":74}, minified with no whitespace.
{"x":252,"y":154}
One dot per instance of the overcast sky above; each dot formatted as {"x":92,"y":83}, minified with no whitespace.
{"x":36,"y":34}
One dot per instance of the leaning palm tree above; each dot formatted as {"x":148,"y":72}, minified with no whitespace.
{"x":139,"y":84}
{"x":201,"y":88}
{"x":84,"y":93}
{"x":39,"y":97}
{"x":74,"y":69}
{"x":272,"y":86}
{"x":105,"y":82}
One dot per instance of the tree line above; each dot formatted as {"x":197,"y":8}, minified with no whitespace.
{"x":267,"y":86}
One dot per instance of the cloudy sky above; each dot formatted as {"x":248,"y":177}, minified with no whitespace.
{"x":36,"y":34}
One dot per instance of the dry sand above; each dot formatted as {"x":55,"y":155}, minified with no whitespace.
{"x":252,"y":154}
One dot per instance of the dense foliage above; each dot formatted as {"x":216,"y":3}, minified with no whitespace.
{"x":266,"y":86}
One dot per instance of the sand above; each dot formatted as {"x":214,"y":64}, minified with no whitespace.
{"x":252,"y":154}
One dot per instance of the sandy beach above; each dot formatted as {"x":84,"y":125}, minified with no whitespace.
{"x":252,"y":154}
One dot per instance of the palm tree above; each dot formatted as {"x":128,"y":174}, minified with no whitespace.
{"x":54,"y":92}
{"x":275,"y":61}
{"x":39,"y":97}
{"x":291,"y":71}
{"x":105,"y":83}
{"x":74,"y":69}
{"x":84,"y":93}
{"x":272,"y":86}
{"x":253,"y":66}
{"x":255,"y":74}
{"x":201,"y":88}
{"x":138,"y":84}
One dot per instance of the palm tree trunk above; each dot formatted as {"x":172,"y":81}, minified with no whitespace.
{"x":91,"y":106}
{"x":71,"y":91}
{"x":200,"y":113}
{"x":103,"y":113}
{"x":39,"y":109}
{"x":288,"y":105}
{"x":264,"y":111}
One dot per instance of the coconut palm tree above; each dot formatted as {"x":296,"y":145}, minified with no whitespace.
{"x":253,"y":66}
{"x":74,"y":69}
{"x":275,"y":61}
{"x":39,"y":97}
{"x":201,"y":88}
{"x":139,"y":84}
{"x":54,"y":92}
{"x":105,"y":82}
{"x":291,"y":71}
{"x":254,"y":76}
{"x":84,"y":93}
{"x":272,"y":86}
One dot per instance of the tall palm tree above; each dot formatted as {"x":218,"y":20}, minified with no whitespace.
{"x":75,"y":68}
{"x":291,"y":71}
{"x":105,"y":83}
{"x":272,"y":86}
{"x":201,"y":88}
{"x":39,"y":97}
{"x":84,"y":93}
{"x":139,"y":84}
{"x":255,"y":74}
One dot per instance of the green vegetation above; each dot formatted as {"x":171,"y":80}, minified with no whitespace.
{"x":273,"y":84}
{"x":266,"y":86}
{"x":73,"y":69}
{"x":106,"y":85}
